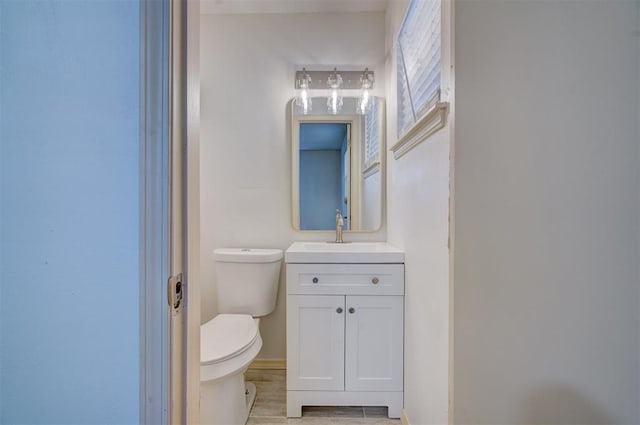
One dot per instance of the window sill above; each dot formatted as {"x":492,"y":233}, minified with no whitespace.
{"x":434,"y":120}
{"x":371,"y":170}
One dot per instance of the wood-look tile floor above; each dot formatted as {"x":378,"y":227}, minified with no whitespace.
{"x":270,"y":407}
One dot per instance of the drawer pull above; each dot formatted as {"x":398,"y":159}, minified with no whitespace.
{"x":352,"y":310}
{"x":314,"y":280}
{"x":375,"y":280}
{"x":339,"y":310}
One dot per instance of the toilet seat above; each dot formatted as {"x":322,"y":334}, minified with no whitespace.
{"x":225,"y":336}
{"x":228,"y":343}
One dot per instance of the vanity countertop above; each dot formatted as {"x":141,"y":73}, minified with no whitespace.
{"x":351,"y":252}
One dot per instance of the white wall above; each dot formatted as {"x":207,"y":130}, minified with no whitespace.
{"x":247,"y":73}
{"x":418,"y":211}
{"x":546,"y":218}
{"x":371,"y":199}
{"x":69,"y":202}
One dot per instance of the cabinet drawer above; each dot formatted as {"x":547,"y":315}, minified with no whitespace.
{"x":345,"y":279}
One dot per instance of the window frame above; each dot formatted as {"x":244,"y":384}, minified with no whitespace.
{"x":431,"y":116}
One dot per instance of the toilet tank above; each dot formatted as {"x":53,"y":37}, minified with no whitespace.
{"x":247,"y":280}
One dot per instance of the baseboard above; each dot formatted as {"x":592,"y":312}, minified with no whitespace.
{"x":403,"y":417}
{"x":271,"y":364}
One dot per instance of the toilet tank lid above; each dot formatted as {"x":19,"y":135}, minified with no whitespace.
{"x":247,"y":255}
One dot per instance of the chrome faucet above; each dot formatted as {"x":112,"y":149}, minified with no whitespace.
{"x":339,"y":224}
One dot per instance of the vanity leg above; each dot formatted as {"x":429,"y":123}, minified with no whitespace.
{"x":294,"y":408}
{"x":395,"y":410}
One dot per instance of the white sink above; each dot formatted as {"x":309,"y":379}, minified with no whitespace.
{"x":352,"y":252}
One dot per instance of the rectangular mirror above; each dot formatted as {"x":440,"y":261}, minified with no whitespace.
{"x":337,"y":164}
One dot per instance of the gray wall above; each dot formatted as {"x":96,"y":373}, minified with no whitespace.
{"x":547,"y":213}
{"x":69,"y":193}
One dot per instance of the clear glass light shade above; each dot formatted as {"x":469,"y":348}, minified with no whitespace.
{"x":334,"y":100}
{"x":303,"y":100}
{"x":364,"y":101}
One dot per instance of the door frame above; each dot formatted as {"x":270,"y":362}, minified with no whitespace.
{"x":154,"y":211}
{"x":169,"y":70}
{"x":192,"y":195}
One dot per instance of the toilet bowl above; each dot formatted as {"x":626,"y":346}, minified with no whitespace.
{"x":228,"y":345}
{"x":246,"y":290}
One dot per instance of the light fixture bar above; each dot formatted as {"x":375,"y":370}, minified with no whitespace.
{"x":351,"y":80}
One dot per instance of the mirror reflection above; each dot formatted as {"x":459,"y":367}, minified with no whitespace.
{"x":337,"y":167}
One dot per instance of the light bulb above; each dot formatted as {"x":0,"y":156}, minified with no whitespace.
{"x":334,"y":102}
{"x":364,"y":101}
{"x":366,"y":83}
{"x":305,"y":101}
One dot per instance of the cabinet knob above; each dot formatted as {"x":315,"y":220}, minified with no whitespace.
{"x":375,"y":280}
{"x":339,"y":310}
{"x":314,"y":280}
{"x":352,"y":310}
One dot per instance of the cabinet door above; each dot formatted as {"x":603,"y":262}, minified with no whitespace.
{"x":374,"y":343}
{"x":315,"y":342}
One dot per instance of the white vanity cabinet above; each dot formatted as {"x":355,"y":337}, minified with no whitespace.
{"x":345,"y":335}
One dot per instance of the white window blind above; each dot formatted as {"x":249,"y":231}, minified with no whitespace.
{"x":418,"y":57}
{"x":371,"y":136}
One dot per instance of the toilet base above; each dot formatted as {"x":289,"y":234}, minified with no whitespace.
{"x":225,"y":398}
{"x":250,"y":394}
{"x":226,"y":402}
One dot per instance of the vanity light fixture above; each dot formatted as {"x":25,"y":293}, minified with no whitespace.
{"x":303,"y":100}
{"x":366,"y":83}
{"x":334,"y":101}
{"x":336,"y":81}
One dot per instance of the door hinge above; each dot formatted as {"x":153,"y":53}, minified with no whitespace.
{"x":175,"y":292}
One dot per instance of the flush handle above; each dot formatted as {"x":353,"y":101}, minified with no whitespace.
{"x":352,"y":310}
{"x":339,"y":310}
{"x":375,"y":280}
{"x":314,"y":280}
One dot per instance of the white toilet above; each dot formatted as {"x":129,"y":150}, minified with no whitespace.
{"x":247,"y":289}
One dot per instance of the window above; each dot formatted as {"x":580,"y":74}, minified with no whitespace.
{"x":418,"y":58}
